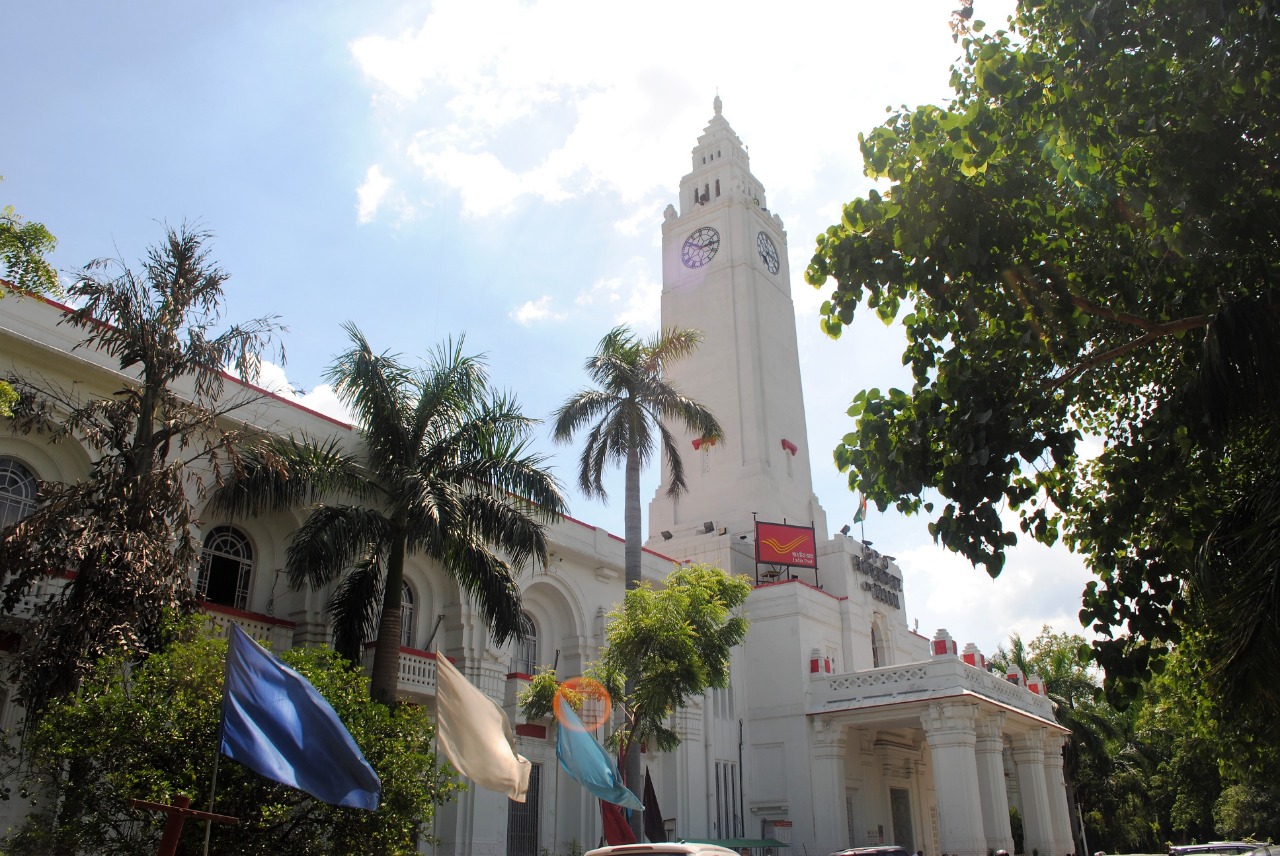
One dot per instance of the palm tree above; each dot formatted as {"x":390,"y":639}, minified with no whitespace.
{"x":446,"y":474}
{"x":628,"y":411}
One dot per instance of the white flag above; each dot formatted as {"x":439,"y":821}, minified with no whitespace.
{"x":476,"y":735}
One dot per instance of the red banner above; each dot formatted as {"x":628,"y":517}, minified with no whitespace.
{"x":781,"y":544}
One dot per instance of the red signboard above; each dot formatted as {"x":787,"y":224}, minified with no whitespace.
{"x":781,"y":544}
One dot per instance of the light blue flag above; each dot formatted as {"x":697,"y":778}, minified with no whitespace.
{"x":277,"y":724}
{"x":586,"y":761}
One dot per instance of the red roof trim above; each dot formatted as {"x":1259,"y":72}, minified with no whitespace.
{"x":528,"y":729}
{"x":240,"y":613}
{"x":807,"y":585}
{"x":65,"y":309}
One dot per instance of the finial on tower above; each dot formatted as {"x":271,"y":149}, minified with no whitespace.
{"x":718,"y":105}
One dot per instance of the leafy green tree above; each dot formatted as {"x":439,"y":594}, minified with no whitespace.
{"x":446,"y":474}
{"x":1215,"y":777}
{"x":627,"y":411}
{"x":670,"y":643}
{"x":23,"y":247}
{"x":1084,"y":240}
{"x":150,"y":731}
{"x":124,"y":532}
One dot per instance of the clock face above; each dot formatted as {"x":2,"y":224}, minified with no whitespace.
{"x":768,"y":252}
{"x":700,"y":247}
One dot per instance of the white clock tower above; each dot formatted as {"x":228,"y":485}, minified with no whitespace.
{"x":725,"y":273}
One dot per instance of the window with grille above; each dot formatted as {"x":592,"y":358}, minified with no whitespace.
{"x":406,"y":616}
{"x":522,"y":818}
{"x":524,"y":658}
{"x":226,"y":565}
{"x":17,"y":492}
{"x":729,"y":820}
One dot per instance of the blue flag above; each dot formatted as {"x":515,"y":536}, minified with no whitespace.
{"x":277,"y":724}
{"x":586,"y":761}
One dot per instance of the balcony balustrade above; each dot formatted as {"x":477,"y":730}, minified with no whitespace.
{"x":274,"y":633}
{"x":417,"y":674}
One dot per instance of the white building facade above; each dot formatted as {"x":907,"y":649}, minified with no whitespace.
{"x":841,"y":726}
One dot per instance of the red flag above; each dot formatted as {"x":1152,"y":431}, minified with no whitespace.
{"x":616,"y":828}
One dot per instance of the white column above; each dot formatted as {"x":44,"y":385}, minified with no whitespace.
{"x":1037,"y":823}
{"x":989,"y":750}
{"x":826,"y":770}
{"x":1056,"y":789}
{"x":949,"y":730}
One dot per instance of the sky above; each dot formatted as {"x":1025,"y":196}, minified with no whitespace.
{"x":495,"y":171}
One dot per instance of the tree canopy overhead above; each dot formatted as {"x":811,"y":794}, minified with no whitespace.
{"x":1087,"y":240}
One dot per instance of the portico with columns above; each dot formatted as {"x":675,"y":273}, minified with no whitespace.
{"x":925,"y":755}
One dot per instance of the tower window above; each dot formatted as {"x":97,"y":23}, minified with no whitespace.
{"x":226,"y":563}
{"x":17,"y":492}
{"x":717,"y":188}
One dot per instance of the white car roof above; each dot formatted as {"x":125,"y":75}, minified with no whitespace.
{"x":663,"y":848}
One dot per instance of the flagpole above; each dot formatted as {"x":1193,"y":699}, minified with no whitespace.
{"x":213,"y":790}
{"x":217,"y":747}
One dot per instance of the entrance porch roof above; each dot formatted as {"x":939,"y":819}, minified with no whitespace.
{"x":895,"y":696}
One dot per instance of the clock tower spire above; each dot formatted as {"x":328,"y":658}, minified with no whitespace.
{"x":725,"y":273}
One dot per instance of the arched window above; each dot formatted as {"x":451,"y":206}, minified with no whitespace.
{"x":406,"y":616}
{"x":877,"y":648}
{"x":226,"y":564}
{"x":524,"y":658}
{"x":17,"y":492}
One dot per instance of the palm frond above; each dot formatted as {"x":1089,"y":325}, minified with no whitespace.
{"x":1236,"y":591}
{"x":354,"y":608}
{"x":582,"y":409}
{"x":669,"y":345}
{"x":490,"y":584}
{"x":280,"y":473}
{"x":331,"y":539}
{"x":377,"y":388}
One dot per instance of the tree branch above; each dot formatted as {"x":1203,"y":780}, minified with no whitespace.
{"x":1153,"y":333}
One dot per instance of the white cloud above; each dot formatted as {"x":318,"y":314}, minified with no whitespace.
{"x":633,"y":299}
{"x":1039,"y":586}
{"x":536,"y":310}
{"x":322,"y":399}
{"x":369,"y":195}
{"x":557,"y":98}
